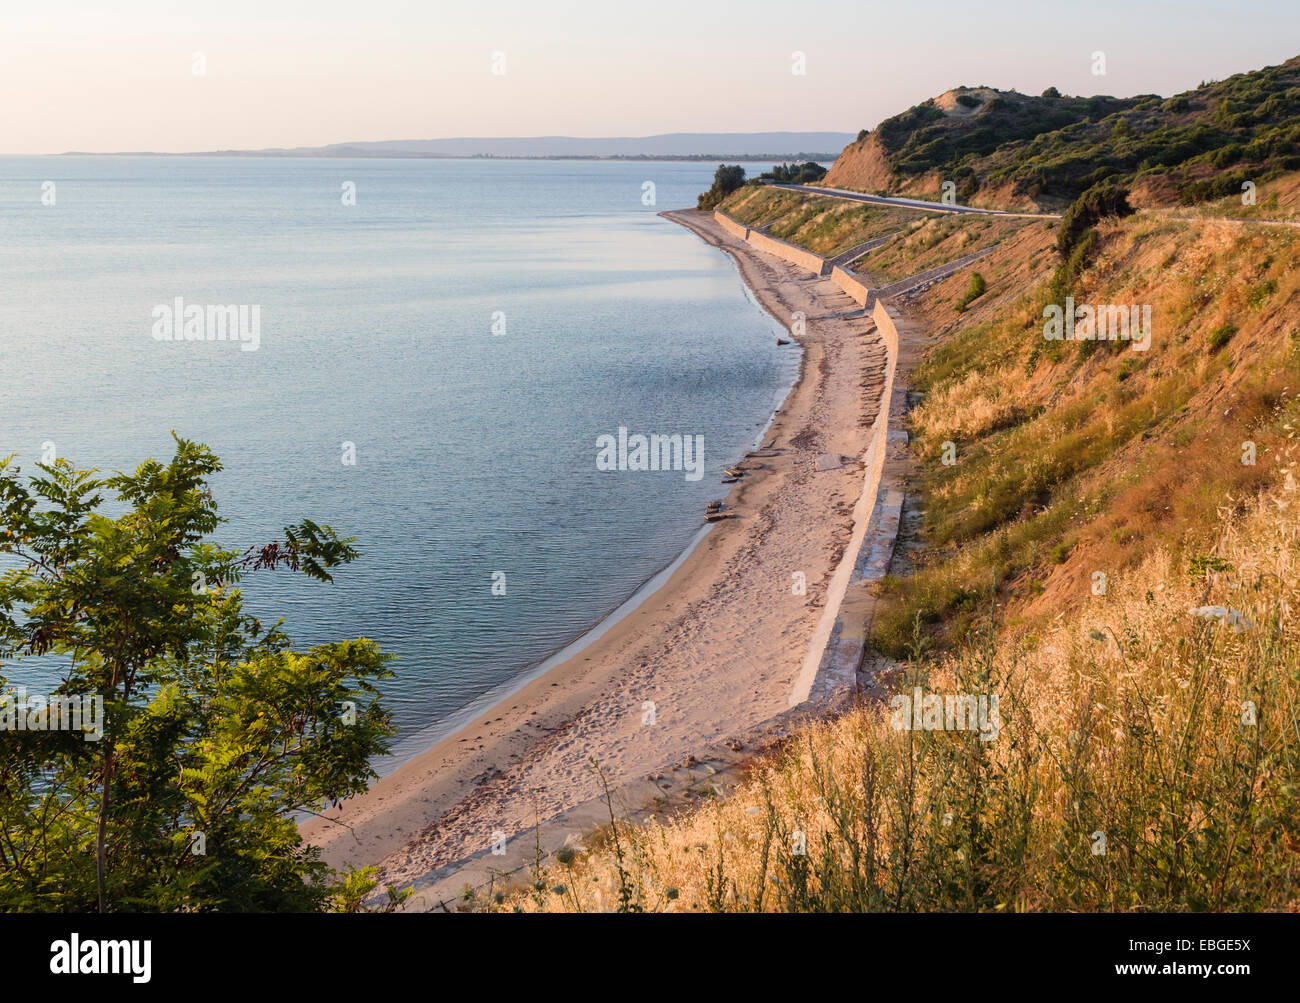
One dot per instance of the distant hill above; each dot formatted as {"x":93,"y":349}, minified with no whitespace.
{"x":693,"y":145}
{"x":1005,"y":148}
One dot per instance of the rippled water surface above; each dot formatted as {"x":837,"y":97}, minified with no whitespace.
{"x":475,"y":452}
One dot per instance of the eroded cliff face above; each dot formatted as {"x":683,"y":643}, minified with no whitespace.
{"x":869,"y":164}
{"x":861,"y":166}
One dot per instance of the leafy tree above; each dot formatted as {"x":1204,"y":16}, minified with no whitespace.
{"x":216,"y":733}
{"x":1106,"y":198}
{"x":726,"y":179}
{"x":795,"y":174}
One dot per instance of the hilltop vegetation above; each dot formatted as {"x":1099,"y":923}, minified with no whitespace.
{"x":1107,"y":540}
{"x":1107,"y":544}
{"x":1002,"y":148}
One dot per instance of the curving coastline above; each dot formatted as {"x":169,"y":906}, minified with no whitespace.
{"x":716,"y":648}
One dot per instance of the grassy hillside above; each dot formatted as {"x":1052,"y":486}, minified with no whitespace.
{"x":1145,"y":758}
{"x":1099,"y":558}
{"x":828,"y":226}
{"x":937,"y":240}
{"x":825,"y":226}
{"x":1073,"y":458}
{"x":1004,"y":149}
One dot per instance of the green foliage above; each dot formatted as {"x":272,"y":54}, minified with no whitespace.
{"x":1077,"y":238}
{"x":351,"y":894}
{"x":216,"y":732}
{"x":795,"y":174}
{"x":1261,"y":292}
{"x":1221,"y":335}
{"x":1204,"y":564}
{"x":894,"y":132}
{"x":1055,"y":147}
{"x":973,"y":292}
{"x":726,"y":179}
{"x":1098,"y":202}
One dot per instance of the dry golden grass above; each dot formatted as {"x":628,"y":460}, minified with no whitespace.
{"x":825,"y":226}
{"x":934,"y":241}
{"x":1173,"y":737}
{"x":1073,"y":458}
{"x":1169,"y":736}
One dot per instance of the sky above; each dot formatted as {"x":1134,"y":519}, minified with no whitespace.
{"x":115,"y":76}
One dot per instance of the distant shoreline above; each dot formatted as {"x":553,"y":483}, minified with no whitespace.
{"x":741,"y":158}
{"x":776,"y":145}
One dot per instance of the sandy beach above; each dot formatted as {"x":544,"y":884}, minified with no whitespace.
{"x":716,"y":649}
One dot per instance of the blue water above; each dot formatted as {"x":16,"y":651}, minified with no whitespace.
{"x":475,"y":452}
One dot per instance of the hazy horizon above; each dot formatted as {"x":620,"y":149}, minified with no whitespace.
{"x":304,"y":75}
{"x":672,"y":146}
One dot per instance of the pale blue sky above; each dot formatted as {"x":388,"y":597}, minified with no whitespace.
{"x":119,"y":75}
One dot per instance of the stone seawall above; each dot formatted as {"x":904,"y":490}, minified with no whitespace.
{"x":731,"y":226}
{"x":815,"y":263}
{"x":856,"y":289}
{"x":830,"y":667}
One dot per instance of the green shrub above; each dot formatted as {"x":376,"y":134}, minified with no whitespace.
{"x":1221,"y":335}
{"x":973,"y":292}
{"x":1260,"y":293}
{"x":1107,"y":198}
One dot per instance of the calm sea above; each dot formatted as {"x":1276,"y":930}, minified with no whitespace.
{"x":474,"y":451}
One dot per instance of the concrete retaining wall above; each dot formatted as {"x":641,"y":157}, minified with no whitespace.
{"x":830,"y":667}
{"x":853,"y":253}
{"x":885,"y":318}
{"x":815,"y":263}
{"x":853,"y":286}
{"x":730,"y":225}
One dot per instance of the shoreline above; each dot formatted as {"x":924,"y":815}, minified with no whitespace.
{"x":714,"y":658}
{"x":462,"y":716}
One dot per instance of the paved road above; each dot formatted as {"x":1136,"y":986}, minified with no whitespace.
{"x":902,"y":203}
